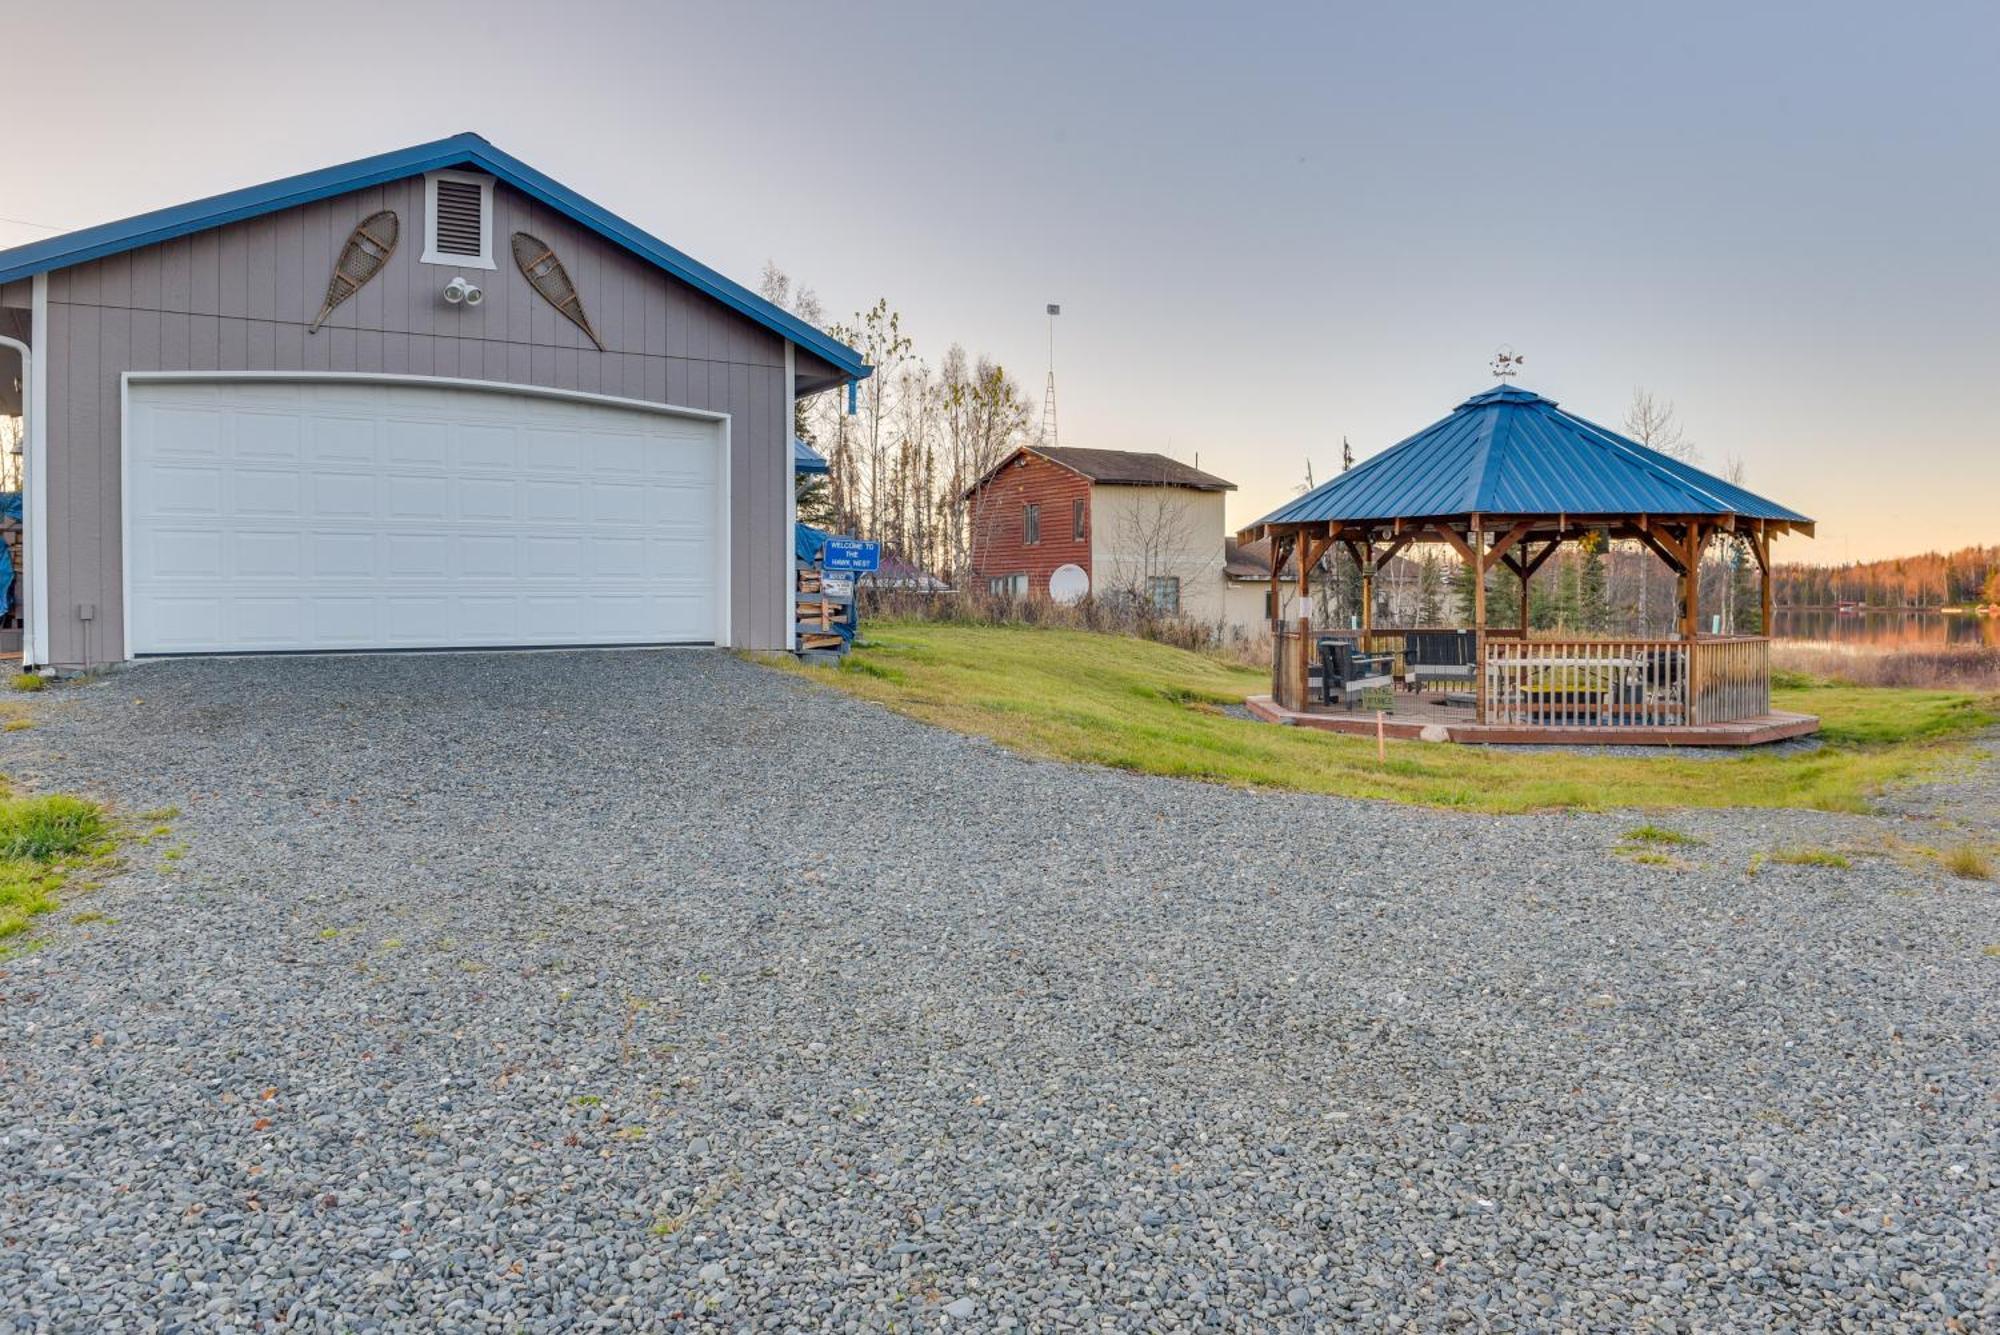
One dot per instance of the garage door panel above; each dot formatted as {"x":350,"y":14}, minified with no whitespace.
{"x":367,"y":515}
{"x":557,"y":620}
{"x":489,"y":616}
{"x":342,"y":495}
{"x":341,"y":556}
{"x":265,"y":622}
{"x":559,"y":502}
{"x":488,"y":556}
{"x":622,"y":503}
{"x":412,"y":619}
{"x":486,"y":447}
{"x":187,"y":434}
{"x":187,"y":553}
{"x":416,"y":443}
{"x":178,"y":489}
{"x":416,"y":556}
{"x":262,"y":435}
{"x":618,"y":558}
{"x":552,"y":558}
{"x":267,"y":555}
{"x":406,"y":497}
{"x":677,"y":556}
{"x":486,"y":499}
{"x":179,"y":624}
{"x":344,"y":622}
{"x":258,"y":491}
{"x":343,"y":440}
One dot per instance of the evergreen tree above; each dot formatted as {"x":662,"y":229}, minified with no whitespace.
{"x":1746,"y":608}
{"x":815,"y":501}
{"x":1503,"y":597}
{"x":1593,"y":587}
{"x":1430,"y":591}
{"x":1347,"y":578}
{"x":1564,"y":608}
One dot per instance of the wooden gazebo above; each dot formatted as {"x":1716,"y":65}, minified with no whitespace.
{"x":1505,"y":481}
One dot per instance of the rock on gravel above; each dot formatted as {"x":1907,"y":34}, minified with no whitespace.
{"x":555,"y":991}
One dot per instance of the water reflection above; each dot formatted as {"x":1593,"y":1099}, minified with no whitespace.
{"x":1898,"y":629}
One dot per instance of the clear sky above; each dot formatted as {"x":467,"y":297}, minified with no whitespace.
{"x":1268,"y":227}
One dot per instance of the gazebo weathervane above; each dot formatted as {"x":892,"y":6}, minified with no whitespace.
{"x":1506,"y":362}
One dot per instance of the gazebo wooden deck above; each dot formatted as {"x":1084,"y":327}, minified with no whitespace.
{"x":1505,"y":481}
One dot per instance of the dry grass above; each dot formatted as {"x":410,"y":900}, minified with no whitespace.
{"x":1120,"y":616}
{"x":1969,"y":861}
{"x":1949,"y":667}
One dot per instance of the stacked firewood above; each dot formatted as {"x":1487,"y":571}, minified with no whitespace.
{"x":824,"y":620}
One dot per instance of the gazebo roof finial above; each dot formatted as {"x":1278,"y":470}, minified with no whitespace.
{"x":1507,"y":362}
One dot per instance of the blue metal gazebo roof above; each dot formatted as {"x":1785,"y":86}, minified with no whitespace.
{"x":1509,"y":451}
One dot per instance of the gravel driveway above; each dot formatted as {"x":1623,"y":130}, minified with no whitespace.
{"x":659,"y":990}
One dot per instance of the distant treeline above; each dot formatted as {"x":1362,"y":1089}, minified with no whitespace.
{"x":1962,"y":578}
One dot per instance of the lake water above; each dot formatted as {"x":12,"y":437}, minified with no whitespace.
{"x":1898,"y":629}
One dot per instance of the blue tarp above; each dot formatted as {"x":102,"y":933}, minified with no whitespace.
{"x":806,"y":542}
{"x":10,"y":508}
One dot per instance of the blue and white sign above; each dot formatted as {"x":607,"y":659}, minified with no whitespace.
{"x":851,"y":554}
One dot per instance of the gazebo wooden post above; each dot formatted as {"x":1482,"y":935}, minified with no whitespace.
{"x":1479,"y":617}
{"x":1307,"y":557}
{"x":1367,"y":588}
{"x":1760,"y":547}
{"x":1691,"y":583}
{"x":1521,"y":568}
{"x":1303,"y":552}
{"x":1277,"y":564}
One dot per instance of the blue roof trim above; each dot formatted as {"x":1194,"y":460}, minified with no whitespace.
{"x":1510,"y":451}
{"x":806,"y":459}
{"x":461,"y":150}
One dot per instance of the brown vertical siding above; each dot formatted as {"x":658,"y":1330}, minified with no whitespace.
{"x":238,"y":298}
{"x":997,"y":514}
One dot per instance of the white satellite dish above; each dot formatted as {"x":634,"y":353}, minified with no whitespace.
{"x":1068,"y":584}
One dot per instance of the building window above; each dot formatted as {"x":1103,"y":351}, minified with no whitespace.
{"x":1008,"y":586}
{"x":458,"y":222}
{"x":1076,"y":520}
{"x":1270,"y":606}
{"x":1031,"y":524}
{"x":1164,"y":592}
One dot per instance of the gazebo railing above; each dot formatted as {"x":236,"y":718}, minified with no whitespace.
{"x":1587,"y":683}
{"x":1732,"y":678}
{"x":1573,"y":681}
{"x":1626,"y":683}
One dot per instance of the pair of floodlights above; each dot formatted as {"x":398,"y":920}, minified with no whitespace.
{"x":459,"y":292}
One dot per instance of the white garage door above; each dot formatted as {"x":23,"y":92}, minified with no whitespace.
{"x":288,"y":515}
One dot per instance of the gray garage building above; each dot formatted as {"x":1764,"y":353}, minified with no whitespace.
{"x":430,"y":399}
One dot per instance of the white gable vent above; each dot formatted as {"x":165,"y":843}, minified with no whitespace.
{"x":458,"y":227}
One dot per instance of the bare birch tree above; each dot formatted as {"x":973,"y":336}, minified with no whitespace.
{"x":1654,"y":424}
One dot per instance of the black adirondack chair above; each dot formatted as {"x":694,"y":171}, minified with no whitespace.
{"x":1345,"y":673}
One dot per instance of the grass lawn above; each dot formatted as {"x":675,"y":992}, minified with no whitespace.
{"x":42,"y":839}
{"x":1135,"y":705}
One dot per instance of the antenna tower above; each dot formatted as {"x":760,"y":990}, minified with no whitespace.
{"x":1049,"y":393}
